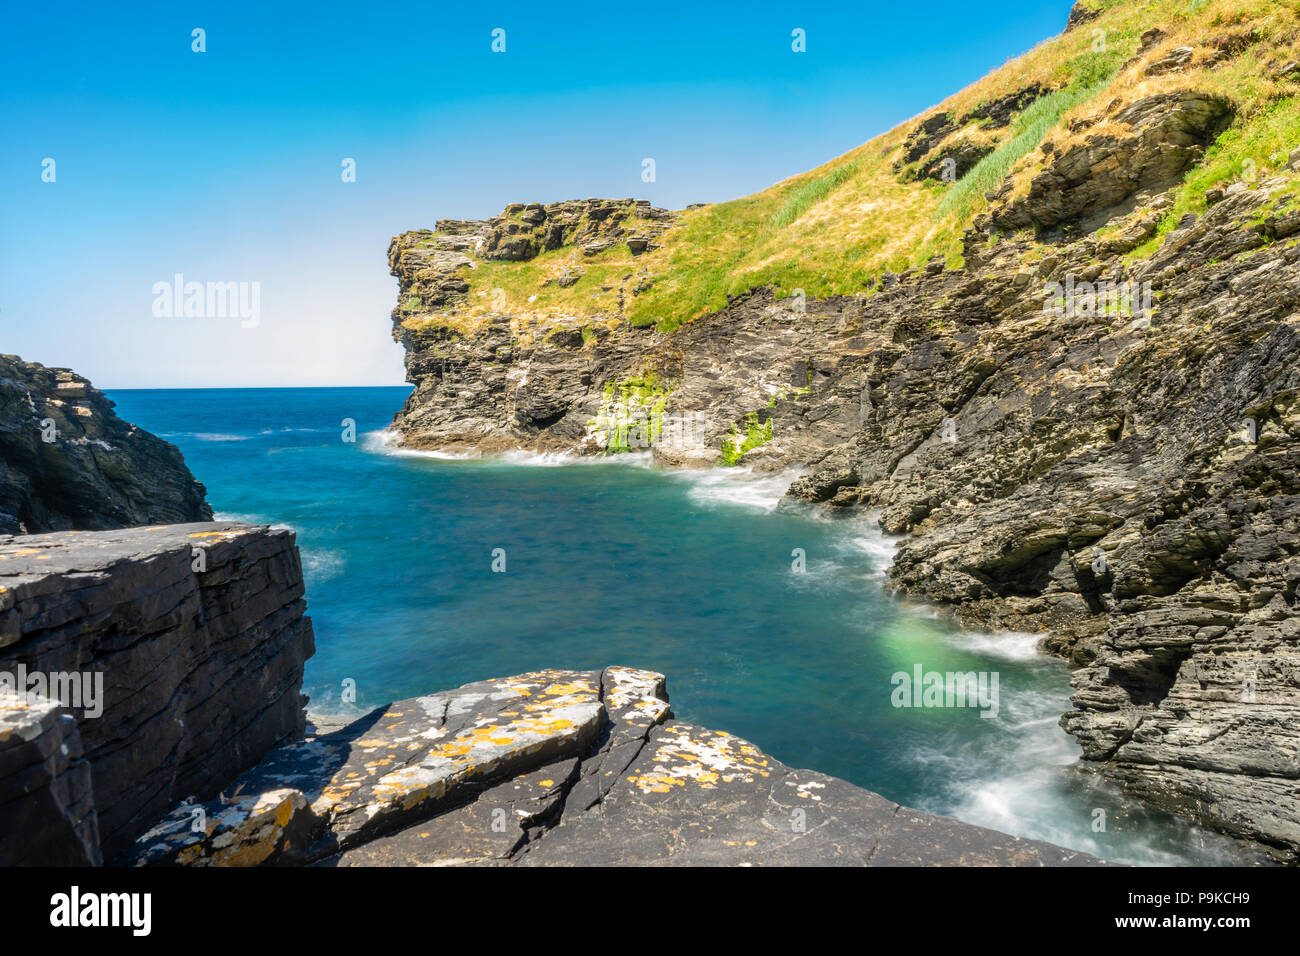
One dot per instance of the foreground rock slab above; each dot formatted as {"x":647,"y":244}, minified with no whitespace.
{"x":556,"y":768}
{"x":137,"y":667}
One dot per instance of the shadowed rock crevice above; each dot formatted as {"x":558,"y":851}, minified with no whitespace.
{"x":1147,"y":679}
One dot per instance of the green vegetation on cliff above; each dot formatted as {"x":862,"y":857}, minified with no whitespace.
{"x":886,"y":205}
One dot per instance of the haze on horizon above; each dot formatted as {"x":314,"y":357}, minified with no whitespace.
{"x":224,"y":166}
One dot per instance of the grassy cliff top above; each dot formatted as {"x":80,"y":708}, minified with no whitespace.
{"x":888,"y":205}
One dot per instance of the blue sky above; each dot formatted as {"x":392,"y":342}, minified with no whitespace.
{"x":224,"y":166}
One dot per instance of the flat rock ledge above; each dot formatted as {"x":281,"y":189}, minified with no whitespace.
{"x":555,"y":768}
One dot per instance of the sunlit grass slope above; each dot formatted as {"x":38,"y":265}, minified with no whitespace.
{"x":835,"y":229}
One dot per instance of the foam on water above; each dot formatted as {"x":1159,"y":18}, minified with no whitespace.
{"x":388,"y":442}
{"x":736,"y":486}
{"x":1030,"y":785}
{"x":879,"y":549}
{"x":253,"y":519}
{"x":539,"y":459}
{"x":1004,"y":645}
{"x":207,"y":436}
{"x":319,"y":566}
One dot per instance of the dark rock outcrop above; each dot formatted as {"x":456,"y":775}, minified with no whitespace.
{"x":1125,"y":482}
{"x":68,"y":462}
{"x":492,"y":389}
{"x":1167,"y":133}
{"x":557,"y":768}
{"x":525,"y":230}
{"x":47,"y":801}
{"x":944,"y":156}
{"x":177,"y":653}
{"x":1080,"y":14}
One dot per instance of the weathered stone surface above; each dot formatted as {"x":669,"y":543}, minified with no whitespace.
{"x":489,"y":830}
{"x":697,"y":797}
{"x":557,"y":768}
{"x":198,"y":634}
{"x":1167,"y":133}
{"x":525,"y":230}
{"x":68,"y":462}
{"x":399,"y":763}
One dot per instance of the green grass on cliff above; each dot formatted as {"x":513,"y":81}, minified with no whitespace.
{"x":835,"y":229}
{"x":1028,"y":131}
{"x":810,"y":193}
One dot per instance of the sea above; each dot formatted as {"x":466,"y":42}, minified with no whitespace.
{"x":771,"y":620}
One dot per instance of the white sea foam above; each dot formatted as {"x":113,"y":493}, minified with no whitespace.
{"x":320,"y":565}
{"x":1006,"y":645}
{"x":536,"y":459}
{"x":388,"y":442}
{"x":737,"y":486}
{"x":879,"y":548}
{"x":217,"y":436}
{"x":253,"y":519}
{"x":241,"y":518}
{"x":1027,"y":785}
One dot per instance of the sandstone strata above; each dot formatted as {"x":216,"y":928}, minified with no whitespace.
{"x":68,"y":462}
{"x":556,"y":768}
{"x":198,"y":634}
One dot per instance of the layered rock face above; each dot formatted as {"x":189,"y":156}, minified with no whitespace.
{"x":1158,"y":137}
{"x":137,"y":668}
{"x":1131,"y":487}
{"x":556,"y":768}
{"x":1076,"y":439}
{"x":47,"y":799}
{"x":68,"y":462}
{"x":482,"y":390}
{"x":591,"y":388}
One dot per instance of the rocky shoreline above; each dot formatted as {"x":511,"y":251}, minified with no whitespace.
{"x":1123,"y":479}
{"x":1083,"y":423}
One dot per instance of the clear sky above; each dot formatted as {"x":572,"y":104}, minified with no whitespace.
{"x":225,"y":166}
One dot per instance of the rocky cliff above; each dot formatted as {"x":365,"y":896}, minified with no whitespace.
{"x":1048,"y":331}
{"x":138,"y":668}
{"x":68,"y":462}
{"x":556,"y":768}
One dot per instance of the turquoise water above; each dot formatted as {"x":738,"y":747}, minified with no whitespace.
{"x":687,"y":573}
